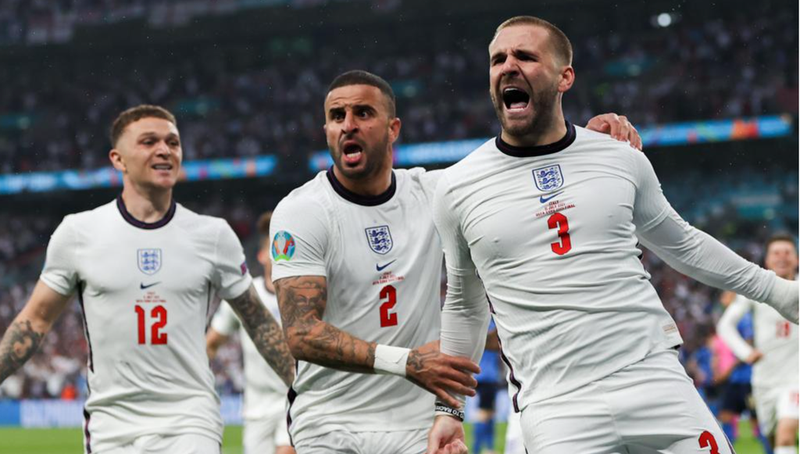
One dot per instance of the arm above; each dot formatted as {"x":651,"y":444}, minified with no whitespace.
{"x":302,"y":301}
{"x":265,"y":332}
{"x":214,"y":340}
{"x":726,"y":328}
{"x":618,"y":127}
{"x":698,"y":255}
{"x":25,"y":334}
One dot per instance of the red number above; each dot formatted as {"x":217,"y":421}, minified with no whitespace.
{"x":784,"y":329}
{"x":559,"y":221}
{"x":156,"y":338}
{"x":388,"y":318}
{"x":708,"y":440}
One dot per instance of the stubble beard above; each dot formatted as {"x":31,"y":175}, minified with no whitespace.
{"x":542,"y":101}
{"x":375,"y":156}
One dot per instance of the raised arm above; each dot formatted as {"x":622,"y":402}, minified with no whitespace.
{"x":25,"y":334}
{"x":726,"y":328}
{"x":698,"y":255}
{"x":265,"y":332}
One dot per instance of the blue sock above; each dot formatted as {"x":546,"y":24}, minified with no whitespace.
{"x":484,"y":436}
{"x":764,"y":443}
{"x":730,"y":431}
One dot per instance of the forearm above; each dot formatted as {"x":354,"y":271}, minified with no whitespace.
{"x":266,"y":333}
{"x":321,"y":343}
{"x":20,"y":341}
{"x":726,"y":328}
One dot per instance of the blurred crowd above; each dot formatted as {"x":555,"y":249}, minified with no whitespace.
{"x":236,"y":99}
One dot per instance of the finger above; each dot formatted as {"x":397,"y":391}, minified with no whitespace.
{"x":624,"y":128}
{"x":445,"y":397}
{"x":464,"y":364}
{"x":639,"y":145}
{"x":455,"y":387}
{"x":461,"y":377}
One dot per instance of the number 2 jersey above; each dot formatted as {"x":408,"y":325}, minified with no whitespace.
{"x":382,"y":260}
{"x":552,"y":232}
{"x":145,"y":291}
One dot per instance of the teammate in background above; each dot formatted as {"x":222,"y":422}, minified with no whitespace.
{"x":357,"y":266}
{"x":265,"y":430}
{"x":144,"y":269}
{"x":489,"y":380}
{"x":549,"y":216}
{"x":775,"y":354}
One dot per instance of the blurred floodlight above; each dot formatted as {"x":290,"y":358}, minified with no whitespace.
{"x":664,"y":19}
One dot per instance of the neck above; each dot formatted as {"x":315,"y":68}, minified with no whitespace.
{"x":146,"y":206}
{"x":374,"y":185}
{"x":548,"y":129}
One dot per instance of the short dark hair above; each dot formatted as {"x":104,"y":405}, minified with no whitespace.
{"x":558,"y":39}
{"x":135,"y":114}
{"x":782,"y":236}
{"x":262,"y":225}
{"x":359,"y":77}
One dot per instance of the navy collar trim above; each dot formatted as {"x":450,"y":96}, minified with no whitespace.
{"x":541,"y":150}
{"x":144,"y":225}
{"x":358,"y":199}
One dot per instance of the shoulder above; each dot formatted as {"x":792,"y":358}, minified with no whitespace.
{"x":309,"y":196}
{"x":475,"y":159}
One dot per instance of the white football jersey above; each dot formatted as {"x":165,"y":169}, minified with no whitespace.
{"x":265,"y":392}
{"x":145,"y":290}
{"x":775,"y":337}
{"x":382,"y":260}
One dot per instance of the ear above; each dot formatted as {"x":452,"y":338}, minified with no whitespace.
{"x":394,"y":129}
{"x":567,"y":79}
{"x":116,"y":160}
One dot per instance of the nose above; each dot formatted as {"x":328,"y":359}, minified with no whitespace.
{"x":349,"y":125}
{"x":509,"y":66}
{"x":163,"y":149}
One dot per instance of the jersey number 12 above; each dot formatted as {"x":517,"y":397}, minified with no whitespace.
{"x":159,"y":315}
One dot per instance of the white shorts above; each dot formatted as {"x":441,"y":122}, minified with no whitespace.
{"x":774,"y":404}
{"x":159,"y":444}
{"x":646,"y":408}
{"x":514,"y":443}
{"x":398,"y":442}
{"x":264,"y":435}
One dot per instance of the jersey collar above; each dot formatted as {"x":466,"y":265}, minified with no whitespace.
{"x":144,"y":225}
{"x":541,"y":150}
{"x":358,"y":199}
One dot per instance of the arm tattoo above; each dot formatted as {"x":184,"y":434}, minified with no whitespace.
{"x":302,"y":300}
{"x":265,"y":333}
{"x":19,"y":343}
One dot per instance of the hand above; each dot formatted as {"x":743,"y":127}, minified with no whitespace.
{"x":446,"y":436}
{"x":755,"y":356}
{"x":441,"y":374}
{"x":618,"y":127}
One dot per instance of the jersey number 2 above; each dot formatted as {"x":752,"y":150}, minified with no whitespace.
{"x":159,"y":313}
{"x":388,"y":318}
{"x":559,"y":221}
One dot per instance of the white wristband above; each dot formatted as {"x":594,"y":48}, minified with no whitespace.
{"x":391,"y":360}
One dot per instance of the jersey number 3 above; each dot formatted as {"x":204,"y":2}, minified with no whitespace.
{"x":159,"y":315}
{"x":390,"y":295}
{"x":564,"y":245}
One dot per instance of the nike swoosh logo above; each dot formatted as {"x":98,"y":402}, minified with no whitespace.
{"x":142,"y":286}
{"x":544,"y":199}
{"x":381,"y":268}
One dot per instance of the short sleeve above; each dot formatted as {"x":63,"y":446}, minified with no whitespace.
{"x":650,"y":205}
{"x":60,"y":273}
{"x":225,"y":320}
{"x":231,"y":278}
{"x":299,"y":233}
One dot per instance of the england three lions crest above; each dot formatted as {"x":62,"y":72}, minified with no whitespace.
{"x":149,"y":261}
{"x":548,"y":178}
{"x":380,"y":239}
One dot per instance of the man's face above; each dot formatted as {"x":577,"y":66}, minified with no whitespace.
{"x":524,"y":77}
{"x":149,"y":153}
{"x":359,"y":131}
{"x":782,"y":259}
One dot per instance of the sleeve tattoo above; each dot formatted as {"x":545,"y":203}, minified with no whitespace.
{"x":302,"y":302}
{"x":19,"y":343}
{"x":265,"y":333}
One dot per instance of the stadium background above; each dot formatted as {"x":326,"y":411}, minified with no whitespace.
{"x":712,"y":86}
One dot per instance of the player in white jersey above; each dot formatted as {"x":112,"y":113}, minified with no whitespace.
{"x":265,"y":430}
{"x":548,"y":215}
{"x":145,"y":270}
{"x":775,"y":354}
{"x":357,"y":270}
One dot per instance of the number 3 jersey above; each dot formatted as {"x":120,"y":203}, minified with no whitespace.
{"x":382,"y":260}
{"x":145,"y":291}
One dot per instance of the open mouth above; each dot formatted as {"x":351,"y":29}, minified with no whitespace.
{"x":515,"y":99}
{"x":162,"y":166}
{"x":352,"y":152}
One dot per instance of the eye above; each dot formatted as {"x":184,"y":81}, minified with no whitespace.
{"x":337,"y":115}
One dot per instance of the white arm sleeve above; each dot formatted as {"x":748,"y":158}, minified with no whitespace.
{"x":698,"y":255}
{"x":59,"y":271}
{"x":231,"y":278}
{"x":465,"y":316}
{"x":726,"y":327}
